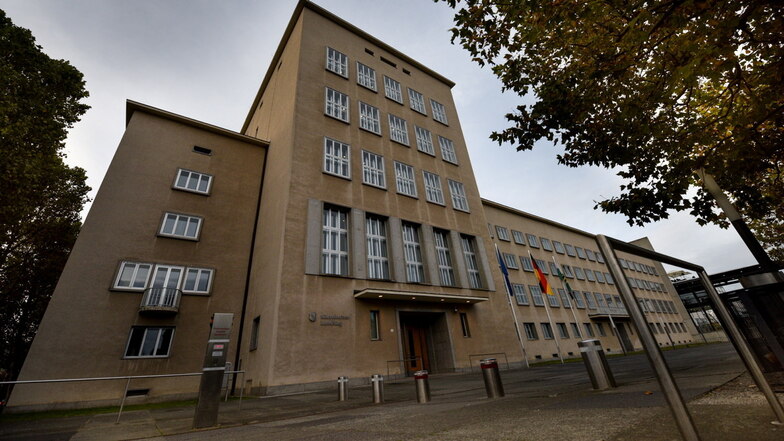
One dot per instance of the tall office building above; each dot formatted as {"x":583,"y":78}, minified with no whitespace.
{"x":344,"y":229}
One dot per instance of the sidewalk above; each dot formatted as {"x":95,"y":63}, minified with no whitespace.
{"x":553,"y":402}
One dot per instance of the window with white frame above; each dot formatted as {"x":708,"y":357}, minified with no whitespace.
{"x":337,"y":62}
{"x":447,"y":150}
{"x":510,"y":261}
{"x":536,"y":295}
{"x":334,"y":247}
{"x":439,"y":112}
{"x":193,"y":181}
{"x":530,"y":331}
{"x":472,"y":267}
{"x":412,"y":250}
{"x":433,"y":192}
{"x":392,"y":90}
{"x":459,"y":200}
{"x":149,"y":342}
{"x":373,"y":169}
{"x":398,"y":129}
{"x":336,"y":104}
{"x":369,"y":118}
{"x":377,"y":257}
{"x":527,"y":265}
{"x":424,"y":141}
{"x":520,"y":295}
{"x":337,"y":158}
{"x":180,"y":226}
{"x":167,"y":276}
{"x":197,"y":281}
{"x":503,"y":233}
{"x":532,"y":240}
{"x":445,"y":271}
{"x":417,"y":101}
{"x":404,"y":178}
{"x":366,"y":76}
{"x":518,"y":237}
{"x":133,"y":276}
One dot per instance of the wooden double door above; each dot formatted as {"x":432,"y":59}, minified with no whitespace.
{"x":415,"y":347}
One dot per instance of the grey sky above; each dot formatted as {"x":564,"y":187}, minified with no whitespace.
{"x":205,"y":60}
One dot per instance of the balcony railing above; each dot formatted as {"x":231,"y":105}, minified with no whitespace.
{"x":610,"y":310}
{"x":160,"y":301}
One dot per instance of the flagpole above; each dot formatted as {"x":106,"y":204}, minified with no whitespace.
{"x":549,"y":318}
{"x":511,"y":306}
{"x":568,"y":290}
{"x":615,"y":329}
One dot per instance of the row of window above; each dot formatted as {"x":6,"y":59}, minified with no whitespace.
{"x":563,"y":332}
{"x":646,"y":285}
{"x":337,"y":161}
{"x":639,"y":267}
{"x":335,"y":250}
{"x":580,"y":300}
{"x":337,"y":62}
{"x":670,"y":327}
{"x":138,"y":276}
{"x":546,"y":244}
{"x":656,"y":305}
{"x":550,"y":267}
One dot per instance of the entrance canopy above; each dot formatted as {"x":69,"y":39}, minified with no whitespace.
{"x":414,"y":296}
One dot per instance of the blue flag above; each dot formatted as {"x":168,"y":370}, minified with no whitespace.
{"x":505,"y":271}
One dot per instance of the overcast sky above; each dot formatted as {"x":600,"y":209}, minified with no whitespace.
{"x":206,"y":59}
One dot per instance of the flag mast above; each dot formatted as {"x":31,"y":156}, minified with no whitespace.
{"x":569,"y":293}
{"x":505,"y":273}
{"x":545,"y":288}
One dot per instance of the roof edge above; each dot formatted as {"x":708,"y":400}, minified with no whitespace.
{"x":535,"y":217}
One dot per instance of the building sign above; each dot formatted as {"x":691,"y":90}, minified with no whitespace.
{"x":333,"y":320}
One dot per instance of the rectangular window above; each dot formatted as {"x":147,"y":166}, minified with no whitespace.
{"x":599,"y":257}
{"x":398,"y":129}
{"x":600,"y":300}
{"x":589,"y":275}
{"x":530,"y":331}
{"x":570,"y":250}
{"x":197,"y":281}
{"x":588,"y":329}
{"x":578,"y":272}
{"x":600,"y":327}
{"x":369,"y":118}
{"x":532,"y":240}
{"x":578,"y":299}
{"x":464,"y":325}
{"x":149,"y":342}
{"x":590,"y":254}
{"x":392,"y":90}
{"x":447,"y":150}
{"x":553,"y":268}
{"x":424,"y":141}
{"x":439,"y":112}
{"x":520,"y":295}
{"x":472,"y":267}
{"x":366,"y":76}
{"x":415,"y":269}
{"x":600,"y":277}
{"x":589,"y":300}
{"x":417,"y":101}
{"x":254,"y":333}
{"x":433,"y":191}
{"x":404,"y":178}
{"x":193,"y":181}
{"x":546,"y":244}
{"x":377,"y":257}
{"x":459,"y":200}
{"x":576,"y":330}
{"x":373,"y":169}
{"x":553,"y":301}
{"x":133,"y":276}
{"x":542,"y":266}
{"x":567,"y":269}
{"x":336,"y":104}
{"x":503,"y":233}
{"x":337,"y":62}
{"x":609,"y":299}
{"x":609,"y":278}
{"x":527,"y":265}
{"x":564,"y":298}
{"x":445,"y":271}
{"x":536,"y":295}
{"x":334,"y":246}
{"x":518,"y":237}
{"x":559,"y":248}
{"x":562,"y":330}
{"x":547,"y":331}
{"x":181,"y":226}
{"x":623,"y":263}
{"x":337,"y":158}
{"x":510,"y":261}
{"x":580,"y":252}
{"x":375,"y":329}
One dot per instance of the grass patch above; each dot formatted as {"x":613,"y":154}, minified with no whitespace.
{"x":619,"y":354}
{"x":34,"y":416}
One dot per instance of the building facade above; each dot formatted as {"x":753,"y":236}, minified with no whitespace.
{"x":342,"y":226}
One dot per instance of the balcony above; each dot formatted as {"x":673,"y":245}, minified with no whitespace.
{"x":606,"y":311}
{"x":160,"y":301}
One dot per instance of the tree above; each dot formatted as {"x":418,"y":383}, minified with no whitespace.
{"x":652,"y":89}
{"x":40,"y":196}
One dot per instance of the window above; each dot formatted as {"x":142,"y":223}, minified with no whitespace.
{"x":197,"y":281}
{"x":564,"y":298}
{"x":546,"y":245}
{"x":553,"y":268}
{"x":336,"y":104}
{"x":609,"y":278}
{"x":180,"y":226}
{"x":580,"y":253}
{"x":398,"y":129}
{"x":578,"y":299}
{"x":536,"y":294}
{"x":464,"y":325}
{"x":133,"y":276}
{"x":530,"y":331}
{"x":447,"y":150}
{"x":503,"y":234}
{"x":334,"y":247}
{"x":589,"y":300}
{"x":415,"y":270}
{"x":600,"y":300}
{"x":377,"y":257}
{"x":366,"y":76}
{"x":567,"y":269}
{"x":518,"y":237}
{"x":369,"y":118}
{"x":637,"y":267}
{"x":373,"y":169}
{"x":510,"y":261}
{"x":659,"y":326}
{"x":589,"y":275}
{"x":600,"y":276}
{"x":588,"y":329}
{"x":570,"y":250}
{"x":404,"y":178}
{"x":445,"y":271}
{"x":600,"y":327}
{"x":623,"y":263}
{"x":472,"y":268}
{"x":392,"y":90}
{"x":439,"y":112}
{"x":553,"y":301}
{"x":532,"y":240}
{"x":559,"y":248}
{"x":578,"y":272}
{"x":590,"y":254}
{"x":520,"y":295}
{"x":337,"y":158}
{"x":542,"y":266}
{"x":576,"y":330}
{"x":337,"y":62}
{"x":193,"y":181}
{"x":527,"y":265}
{"x":433,"y":192}
{"x":459,"y":201}
{"x":417,"y":101}
{"x":375,"y":333}
{"x":547,"y":331}
{"x":599,"y":257}
{"x":254,"y":333}
{"x":424,"y":141}
{"x":149,"y":342}
{"x":562,"y":330}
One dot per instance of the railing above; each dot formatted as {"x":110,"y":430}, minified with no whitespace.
{"x":404,"y":369}
{"x":610,"y":310}
{"x":161,"y":300}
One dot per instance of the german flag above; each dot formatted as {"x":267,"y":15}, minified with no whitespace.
{"x":540,"y":276}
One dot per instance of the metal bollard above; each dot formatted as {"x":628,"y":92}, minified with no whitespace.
{"x":596,"y":364}
{"x":492,"y":378}
{"x":342,"y":388}
{"x":422,"y":386}
{"x":378,"y":388}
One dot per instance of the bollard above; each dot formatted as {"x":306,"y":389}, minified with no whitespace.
{"x":596,"y":364}
{"x":378,"y":388}
{"x":422,"y":386}
{"x":342,"y":388}
{"x":492,"y":378}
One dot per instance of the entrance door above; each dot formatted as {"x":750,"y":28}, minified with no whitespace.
{"x":624,"y":337}
{"x":415,"y":347}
